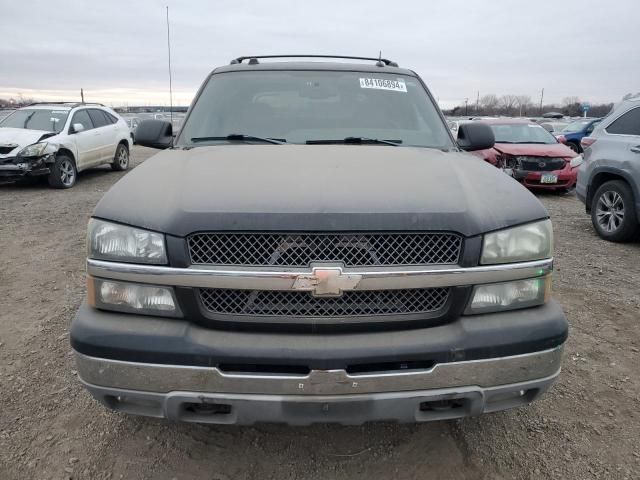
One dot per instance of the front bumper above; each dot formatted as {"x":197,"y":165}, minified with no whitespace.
{"x":10,"y":171}
{"x":567,"y":178}
{"x":207,"y":395}
{"x":173,"y":369}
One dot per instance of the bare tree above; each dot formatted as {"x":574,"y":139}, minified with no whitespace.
{"x":489,"y":103}
{"x":523,"y":102}
{"x":568,"y":101}
{"x":508,"y":103}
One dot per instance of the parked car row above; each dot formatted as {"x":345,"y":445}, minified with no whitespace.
{"x":599,"y":156}
{"x":530,"y":154}
{"x":58,"y":140}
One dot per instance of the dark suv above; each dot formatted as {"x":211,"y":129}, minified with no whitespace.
{"x":314,"y":246}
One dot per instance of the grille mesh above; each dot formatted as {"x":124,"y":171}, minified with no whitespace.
{"x":300,"y":250}
{"x":303,"y":304}
{"x":542,"y":164}
{"x":5,"y":149}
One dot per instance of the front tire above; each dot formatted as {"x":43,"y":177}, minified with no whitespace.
{"x":613,"y":212}
{"x":121,"y":159}
{"x":63,"y":172}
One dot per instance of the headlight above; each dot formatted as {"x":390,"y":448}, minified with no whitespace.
{"x":35,"y":150}
{"x":533,"y":241}
{"x":499,"y":297}
{"x":110,"y":241}
{"x":576,"y":161}
{"x":132,"y":298}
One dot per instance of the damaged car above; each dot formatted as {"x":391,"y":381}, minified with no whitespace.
{"x":532,"y":155}
{"x":58,"y":140}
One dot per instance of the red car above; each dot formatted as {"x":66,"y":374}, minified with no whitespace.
{"x":531,"y":155}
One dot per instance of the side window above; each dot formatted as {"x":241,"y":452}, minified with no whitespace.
{"x":98,"y":117}
{"x":110,"y":118}
{"x":592,"y":127}
{"x":627,"y":124}
{"x":82,"y":117}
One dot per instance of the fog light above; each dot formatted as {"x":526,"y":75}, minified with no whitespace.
{"x":133,"y":298}
{"x":509,"y":295}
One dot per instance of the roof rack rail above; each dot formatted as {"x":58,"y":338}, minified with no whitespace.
{"x":70,"y":104}
{"x":253,"y":59}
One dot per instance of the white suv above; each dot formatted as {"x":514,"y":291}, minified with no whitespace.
{"x":61,"y":139}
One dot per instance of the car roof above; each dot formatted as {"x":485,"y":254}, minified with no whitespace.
{"x":47,"y":106}
{"x":315,"y":66}
{"x":508,"y":121}
{"x":61,"y":105}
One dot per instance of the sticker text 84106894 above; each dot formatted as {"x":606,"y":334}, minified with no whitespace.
{"x":397,"y":85}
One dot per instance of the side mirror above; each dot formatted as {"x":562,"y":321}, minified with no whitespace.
{"x":561,"y":139}
{"x":475,"y":136}
{"x":154,"y":134}
{"x":77,"y":128}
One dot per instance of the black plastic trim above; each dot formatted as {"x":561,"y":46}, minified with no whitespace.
{"x":169,"y":341}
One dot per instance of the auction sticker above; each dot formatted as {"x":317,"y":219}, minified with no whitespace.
{"x":384,"y":84}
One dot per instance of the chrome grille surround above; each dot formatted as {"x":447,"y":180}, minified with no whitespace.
{"x":302,"y":249}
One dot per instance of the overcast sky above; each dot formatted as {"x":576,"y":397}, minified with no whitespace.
{"x":116,"y":50}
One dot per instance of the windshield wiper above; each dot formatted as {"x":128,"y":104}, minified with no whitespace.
{"x":240,"y":137}
{"x":354,"y":141}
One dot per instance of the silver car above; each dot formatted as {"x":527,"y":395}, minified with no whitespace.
{"x":609,"y":177}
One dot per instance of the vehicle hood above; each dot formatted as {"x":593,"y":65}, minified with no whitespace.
{"x":535,"y":149}
{"x":21,"y":136}
{"x":319,"y":187}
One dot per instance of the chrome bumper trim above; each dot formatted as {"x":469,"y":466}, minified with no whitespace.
{"x":167,"y":378}
{"x":265,"y":279}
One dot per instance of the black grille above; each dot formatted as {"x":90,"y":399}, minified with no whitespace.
{"x":542,"y":164}
{"x":300,"y":250}
{"x":5,"y":149}
{"x":304,"y":304}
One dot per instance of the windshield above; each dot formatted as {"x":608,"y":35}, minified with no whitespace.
{"x":576,"y":126}
{"x":302,"y":106}
{"x":36,"y":119}
{"x":522,"y":133}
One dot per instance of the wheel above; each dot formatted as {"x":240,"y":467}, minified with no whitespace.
{"x":63,"y":172}
{"x":121,"y":159}
{"x":574,"y":146}
{"x":613,"y":212}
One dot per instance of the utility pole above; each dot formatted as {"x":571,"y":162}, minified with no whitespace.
{"x":541,"y":97}
{"x":82,"y":95}
{"x":170,"y":85}
{"x":466,"y":105}
{"x":478,"y":102}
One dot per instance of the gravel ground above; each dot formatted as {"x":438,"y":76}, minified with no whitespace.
{"x":587,"y":426}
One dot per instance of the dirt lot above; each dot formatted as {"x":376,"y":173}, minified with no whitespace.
{"x":588,"y":426}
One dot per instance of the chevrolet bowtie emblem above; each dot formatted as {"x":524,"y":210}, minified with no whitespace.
{"x":326,"y":281}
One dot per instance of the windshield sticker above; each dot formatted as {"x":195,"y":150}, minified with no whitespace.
{"x":59,"y":112}
{"x":384,"y":84}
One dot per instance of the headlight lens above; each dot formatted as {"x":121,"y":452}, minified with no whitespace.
{"x":533,"y":241}
{"x":576,"y":161}
{"x":499,"y":297}
{"x":132,"y":298}
{"x":35,"y":150}
{"x":110,"y":241}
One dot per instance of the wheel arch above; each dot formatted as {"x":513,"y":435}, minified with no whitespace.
{"x":126,"y":143}
{"x":69,"y":153}
{"x":604,"y":174}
